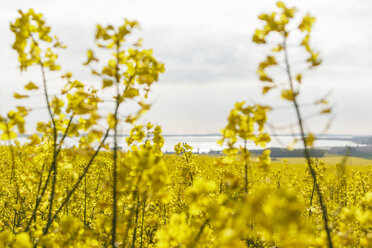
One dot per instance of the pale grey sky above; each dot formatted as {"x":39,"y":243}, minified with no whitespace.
{"x":209,"y":57}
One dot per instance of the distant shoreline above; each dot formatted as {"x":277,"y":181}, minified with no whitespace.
{"x":346,"y":137}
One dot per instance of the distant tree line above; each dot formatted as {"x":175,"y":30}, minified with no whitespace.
{"x":283,"y":152}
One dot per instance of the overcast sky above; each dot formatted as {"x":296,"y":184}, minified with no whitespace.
{"x":209,"y":57}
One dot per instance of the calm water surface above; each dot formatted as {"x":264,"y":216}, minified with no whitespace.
{"x":205,"y":144}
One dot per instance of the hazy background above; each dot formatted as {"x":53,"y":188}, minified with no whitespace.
{"x":209,"y":57}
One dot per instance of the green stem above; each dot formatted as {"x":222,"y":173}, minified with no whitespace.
{"x":306,"y":150}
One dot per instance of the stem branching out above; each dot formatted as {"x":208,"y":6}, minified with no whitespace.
{"x":306,"y":150}
{"x":77,"y":183}
{"x":53,"y":167}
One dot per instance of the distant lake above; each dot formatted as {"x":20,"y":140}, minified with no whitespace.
{"x":207,"y":143}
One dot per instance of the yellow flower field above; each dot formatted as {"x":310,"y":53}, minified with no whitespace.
{"x":182,"y":201}
{"x":96,"y":194}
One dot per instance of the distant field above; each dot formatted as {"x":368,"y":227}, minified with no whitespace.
{"x":329,"y":159}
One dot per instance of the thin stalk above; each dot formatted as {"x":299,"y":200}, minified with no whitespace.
{"x":115,"y":156}
{"x":130,"y":218}
{"x":221,"y":183}
{"x":311,"y":198}
{"x":66,"y":194}
{"x":198,"y":235}
{"x":15,"y":215}
{"x":142,"y":222}
{"x":13,"y":177}
{"x":134,"y":236}
{"x":190,"y":173}
{"x":38,"y":201}
{"x":129,"y":224}
{"x":306,"y":150}
{"x":245,"y":168}
{"x":85,"y":202}
{"x":65,"y":133}
{"x":12,"y":154}
{"x":165,"y":214}
{"x":39,"y":185}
